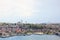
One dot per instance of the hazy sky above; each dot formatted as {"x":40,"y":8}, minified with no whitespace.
{"x":32,"y":11}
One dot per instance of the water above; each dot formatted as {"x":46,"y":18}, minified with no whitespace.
{"x":33,"y":37}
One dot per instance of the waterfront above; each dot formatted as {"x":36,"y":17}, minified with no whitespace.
{"x":33,"y":37}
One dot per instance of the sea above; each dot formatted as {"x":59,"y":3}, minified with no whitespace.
{"x":33,"y":37}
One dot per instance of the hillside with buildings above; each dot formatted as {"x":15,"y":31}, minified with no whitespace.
{"x":14,"y":29}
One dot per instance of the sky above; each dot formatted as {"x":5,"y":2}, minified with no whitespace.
{"x":30,"y":11}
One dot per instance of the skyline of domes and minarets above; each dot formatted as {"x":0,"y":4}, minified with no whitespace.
{"x":23,"y":29}
{"x":29,"y":19}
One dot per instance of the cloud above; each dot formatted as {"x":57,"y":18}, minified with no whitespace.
{"x":17,"y":8}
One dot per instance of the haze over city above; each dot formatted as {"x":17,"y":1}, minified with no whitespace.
{"x":32,"y":11}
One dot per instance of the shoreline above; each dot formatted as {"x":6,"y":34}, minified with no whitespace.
{"x":36,"y":33}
